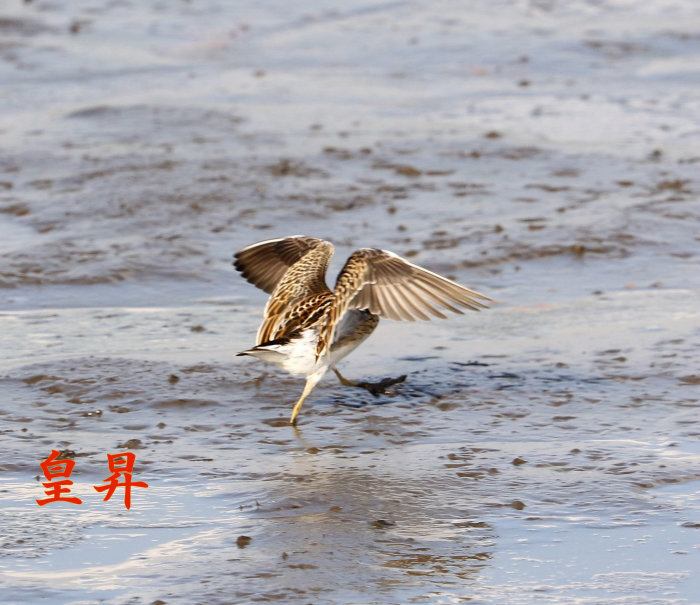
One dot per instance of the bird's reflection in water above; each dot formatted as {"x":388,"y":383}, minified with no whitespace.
{"x":328,"y":513}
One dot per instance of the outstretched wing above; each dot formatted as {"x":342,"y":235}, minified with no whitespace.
{"x":265,"y":263}
{"x":391,"y":287}
{"x":293,"y":270}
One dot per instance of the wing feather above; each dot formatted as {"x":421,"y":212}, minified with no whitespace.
{"x":395,"y":288}
{"x":391,"y":304}
{"x":265,"y":263}
{"x":293,"y":271}
{"x":428,"y":293}
{"x":415,"y":293}
{"x":300,"y":292}
{"x":409,"y":308}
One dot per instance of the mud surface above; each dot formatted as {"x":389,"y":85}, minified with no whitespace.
{"x":544,"y":153}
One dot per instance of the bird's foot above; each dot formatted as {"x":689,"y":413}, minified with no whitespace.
{"x":344,"y":381}
{"x":376,"y":388}
{"x":380,"y":388}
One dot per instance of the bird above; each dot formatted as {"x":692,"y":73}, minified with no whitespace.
{"x":307,"y":327}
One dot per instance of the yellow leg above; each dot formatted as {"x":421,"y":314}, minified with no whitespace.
{"x":345,"y":381}
{"x":295,"y":410}
{"x":310,"y":384}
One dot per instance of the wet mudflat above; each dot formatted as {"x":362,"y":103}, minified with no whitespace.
{"x":545,"y":450}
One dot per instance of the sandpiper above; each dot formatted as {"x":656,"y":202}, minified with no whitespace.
{"x":307,"y":327}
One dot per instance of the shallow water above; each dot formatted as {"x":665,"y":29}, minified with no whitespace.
{"x":545,"y":450}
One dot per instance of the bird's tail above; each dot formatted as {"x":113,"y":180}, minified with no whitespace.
{"x":267,"y":351}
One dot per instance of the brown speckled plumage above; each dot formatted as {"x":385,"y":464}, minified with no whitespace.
{"x":304,"y":316}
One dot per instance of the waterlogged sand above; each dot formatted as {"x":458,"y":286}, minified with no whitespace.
{"x":543,"y":451}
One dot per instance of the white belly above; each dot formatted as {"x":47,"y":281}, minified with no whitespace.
{"x":298,"y":356}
